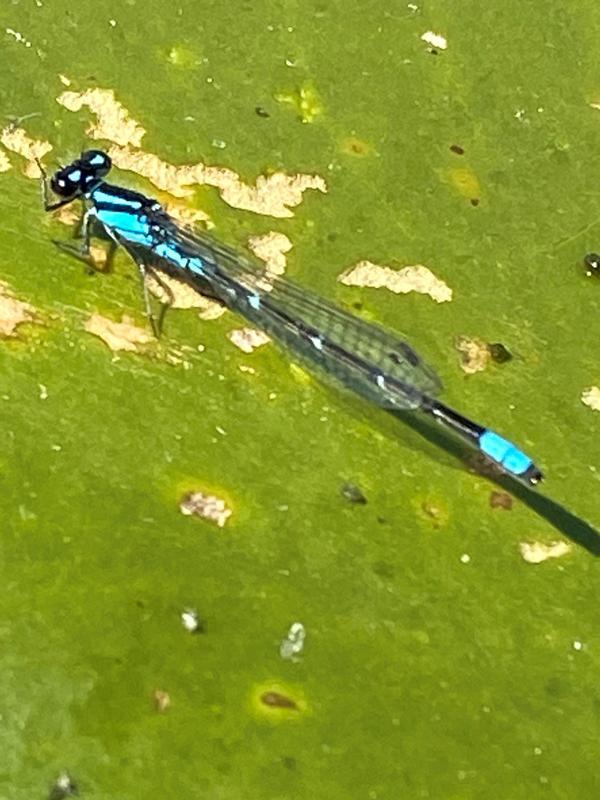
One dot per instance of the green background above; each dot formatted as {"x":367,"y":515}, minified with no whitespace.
{"x":422,"y":676}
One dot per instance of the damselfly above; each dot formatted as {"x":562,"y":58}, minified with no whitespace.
{"x":372,"y":361}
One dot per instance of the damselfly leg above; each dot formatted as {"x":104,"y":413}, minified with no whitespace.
{"x":156,"y":322}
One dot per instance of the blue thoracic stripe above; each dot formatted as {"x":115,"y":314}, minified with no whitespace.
{"x":129,"y":226}
{"x":102,"y":197}
{"x":504,"y":452}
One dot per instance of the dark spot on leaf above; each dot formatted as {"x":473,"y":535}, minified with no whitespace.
{"x":356,"y":147}
{"x":501,"y":500}
{"x":475,"y":201}
{"x":456,"y":148}
{"x":499,"y":353}
{"x":262,"y":112}
{"x":353,"y":494}
{"x":383,"y":569}
{"x":592,"y":262}
{"x":278,"y":700}
{"x":558,"y":687}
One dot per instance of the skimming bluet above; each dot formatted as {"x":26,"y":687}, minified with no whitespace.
{"x":372,"y":361}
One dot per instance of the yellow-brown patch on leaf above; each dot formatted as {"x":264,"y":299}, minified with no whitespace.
{"x":67,"y":215}
{"x":435,"y":40}
{"x":271,"y":248}
{"x":205,"y":506}
{"x":118,"y":336}
{"x":474,"y":354}
{"x":162,"y":700}
{"x":537,"y":552}
{"x":18,"y":141}
{"x":273,"y":195}
{"x":591,"y":397}
{"x":189,"y":217}
{"x":247,"y":339}
{"x":417,"y":278}
{"x":13,"y":312}
{"x":113,"y":120}
{"x":180,"y":295}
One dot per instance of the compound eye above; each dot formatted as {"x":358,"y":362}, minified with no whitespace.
{"x":62,"y":186}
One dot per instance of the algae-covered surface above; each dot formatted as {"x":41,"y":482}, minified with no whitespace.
{"x":170,"y":510}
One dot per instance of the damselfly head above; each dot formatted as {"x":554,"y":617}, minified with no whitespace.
{"x":82,"y":175}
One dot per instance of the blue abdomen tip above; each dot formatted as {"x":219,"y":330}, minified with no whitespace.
{"x":504,"y":452}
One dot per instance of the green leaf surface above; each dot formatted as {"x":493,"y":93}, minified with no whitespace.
{"x":438,"y":662}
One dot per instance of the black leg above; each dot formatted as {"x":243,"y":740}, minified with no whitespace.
{"x":165,"y":305}
{"x":79,"y":251}
{"x":110,"y":256}
{"x":82,"y":251}
{"x":145,"y":273}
